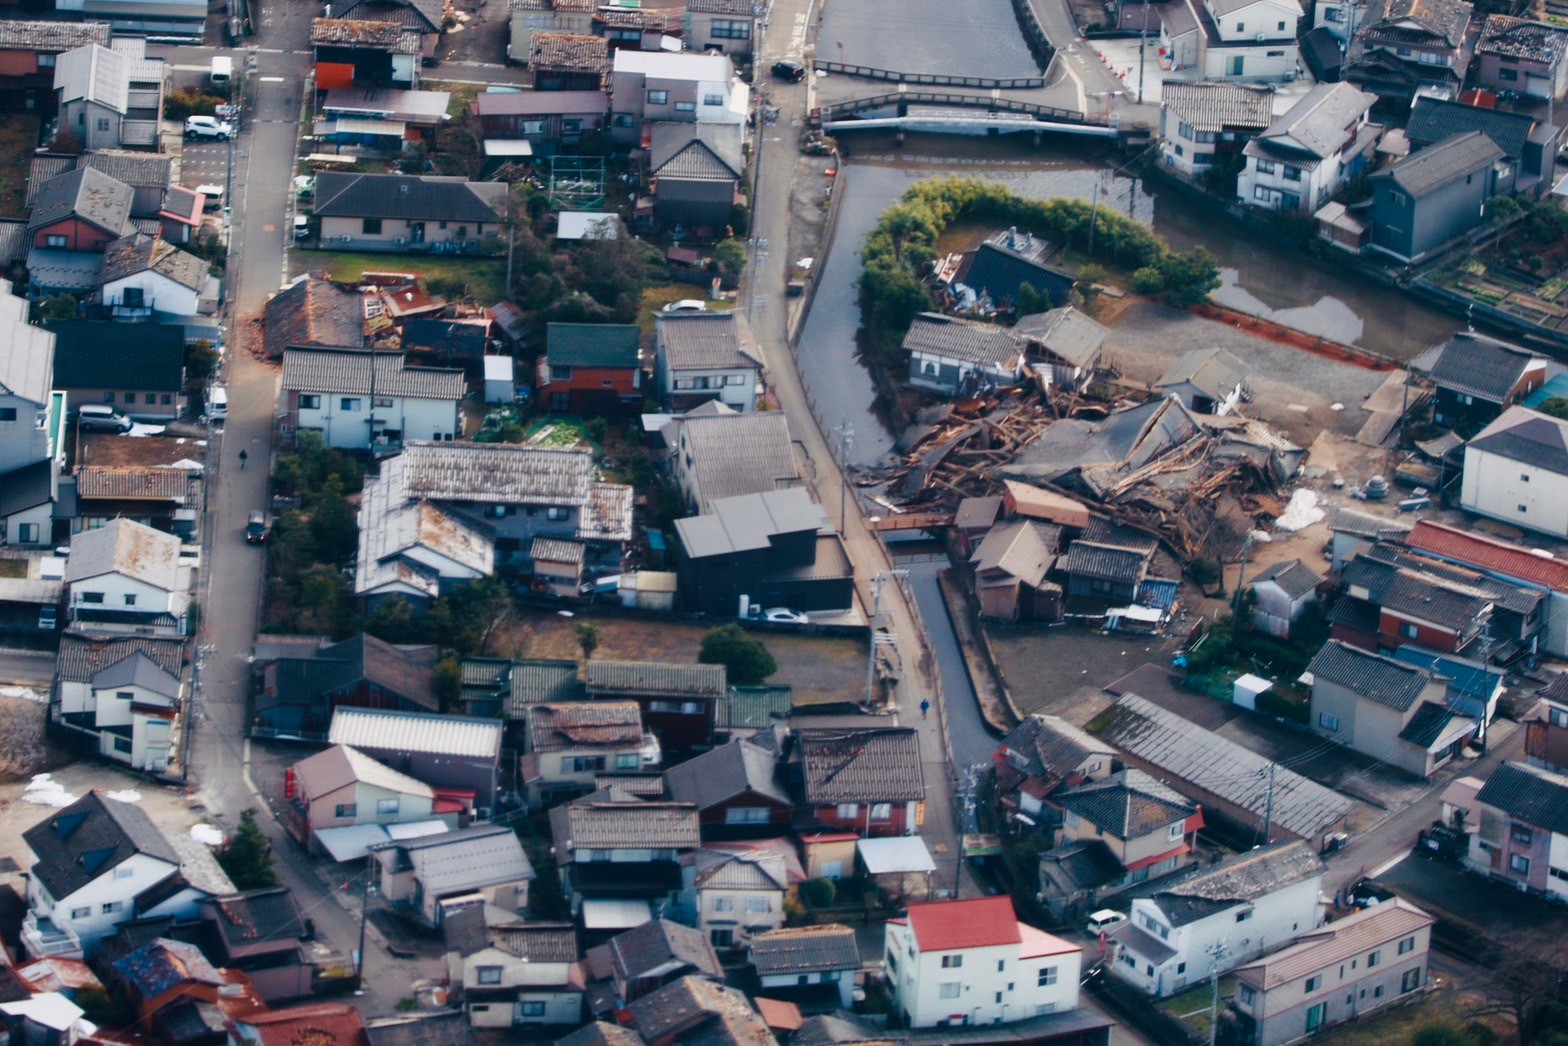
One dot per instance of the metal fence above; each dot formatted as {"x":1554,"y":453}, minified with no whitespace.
{"x":986,"y":83}
{"x":903,"y":99}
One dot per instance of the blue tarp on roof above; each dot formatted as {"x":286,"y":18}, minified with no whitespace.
{"x":1555,"y":388}
{"x":1161,"y":594}
{"x":1465,"y":677}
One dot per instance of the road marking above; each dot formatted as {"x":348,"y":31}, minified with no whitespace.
{"x":1384,"y":868}
{"x":272,"y":79}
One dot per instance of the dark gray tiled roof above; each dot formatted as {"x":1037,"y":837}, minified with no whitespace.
{"x":1450,"y":603}
{"x":315,"y":313}
{"x":1084,"y":863}
{"x":90,"y":837}
{"x":534,"y":681}
{"x":51,"y":37}
{"x":1526,"y":793}
{"x":706,"y":341}
{"x":434,"y":1029}
{"x":970,"y":341}
{"x":593,"y":344}
{"x":1052,"y":746}
{"x":655,"y":678}
{"x":1427,"y":170}
{"x":538,"y":942}
{"x":583,"y":724}
{"x":1105,"y":562}
{"x":646,"y":948}
{"x":593,"y":824}
{"x":1316,"y":125}
{"x":1361,"y":524}
{"x":407,"y":196}
{"x":601,"y":1033}
{"x":1213,"y":372}
{"x":349,"y":371}
{"x":140,"y":252}
{"x":1372,"y":676}
{"x":805,"y":949}
{"x":1237,"y":880}
{"x":734,"y":455}
{"x":1476,"y":365}
{"x":724,"y":773}
{"x":1293,"y":576}
{"x":708,"y":152}
{"x":88,"y":194}
{"x":1432,"y":120}
{"x":862,"y":766}
{"x":1065,"y":332}
{"x":1218,"y":106}
{"x":1404,"y":20}
{"x":1128,"y":805}
{"x":725,"y":1013}
{"x":998,"y":271}
{"x":81,"y":657}
{"x":1523,"y":435}
{"x":1427,"y":725}
{"x":1520,"y":38}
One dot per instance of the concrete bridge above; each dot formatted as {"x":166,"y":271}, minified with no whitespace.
{"x":956,"y":112}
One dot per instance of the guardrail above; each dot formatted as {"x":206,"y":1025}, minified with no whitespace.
{"x":987,"y":83}
{"x":1034,"y":35}
{"x":904,"y":99}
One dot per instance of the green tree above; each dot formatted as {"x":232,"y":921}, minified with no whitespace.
{"x":393,"y":621}
{"x":58,"y":307}
{"x":1440,"y":1033}
{"x":744,"y":657}
{"x":462,"y":620}
{"x":1189,"y":277}
{"x":201,"y":362}
{"x":449,"y":682}
{"x":1148,"y":280}
{"x":588,"y":636}
{"x":247,"y":856}
{"x":1557,"y":407}
{"x":730,"y":255}
{"x":332,"y":523}
{"x":1031,"y":301}
{"x":819,"y":893}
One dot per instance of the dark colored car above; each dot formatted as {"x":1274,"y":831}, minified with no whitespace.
{"x":257,"y":529}
{"x":793,"y":72}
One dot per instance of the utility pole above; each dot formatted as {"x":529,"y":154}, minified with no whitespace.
{"x":876,"y":616}
{"x":845,"y":434}
{"x":1143,"y":47}
{"x":1216,"y":952}
{"x":1094,"y":211}
{"x":364,"y":918}
{"x":1241,"y":580}
{"x":1268,"y":809}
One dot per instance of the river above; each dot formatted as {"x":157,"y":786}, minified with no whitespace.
{"x":1280,"y":284}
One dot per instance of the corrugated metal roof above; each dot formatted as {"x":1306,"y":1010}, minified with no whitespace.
{"x":416,"y":732}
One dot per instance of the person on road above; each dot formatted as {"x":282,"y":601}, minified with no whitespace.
{"x":243,"y":456}
{"x":925,"y":708}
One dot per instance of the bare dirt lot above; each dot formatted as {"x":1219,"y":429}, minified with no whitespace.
{"x":822,"y":670}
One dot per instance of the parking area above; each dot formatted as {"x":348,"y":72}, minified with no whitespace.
{"x":204,"y":163}
{"x":979,"y":38}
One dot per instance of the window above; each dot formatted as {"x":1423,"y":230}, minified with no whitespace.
{"x":1185,"y":130}
{"x":1407,"y":945}
{"x":1047,"y":977}
{"x":1328,"y":722}
{"x":722,"y":937}
{"x":559,"y":373}
{"x":628,"y":762}
{"x":1247,"y":994}
{"x":1508,"y":74}
{"x":532,"y":1009}
{"x":685,"y":107}
{"x":108,"y":397}
{"x":1280,"y":27}
{"x":1523,"y":836}
{"x":1410,"y":981}
{"x":1175,"y":831}
{"x":27,"y":533}
{"x":581,"y":764}
{"x":952,"y":962}
{"x":676,"y":707}
{"x":746,"y":815}
{"x":1181,"y":968}
{"x":371,"y":227}
{"x":1205,"y":138}
{"x":347,"y":810}
{"x":124,"y":871}
{"x":1234,"y":66}
{"x":92,"y":597}
{"x":1409,"y":631}
{"x":846,"y":810}
{"x":881,"y":811}
{"x":56,"y":241}
{"x":1519,"y":863}
{"x":1373,"y":958}
{"x":488,"y":975}
{"x":7,"y":413}
{"x":948,"y":990}
{"x":1524,"y":508}
{"x":1560,"y":717}
{"x":81,"y":913}
{"x":1241,"y":27}
{"x":1242,"y":917}
{"x":557,"y":514}
{"x":110,"y":907}
{"x":386,"y":807}
{"x":758,"y":906}
{"x":1292,"y":173}
{"x":1313,"y":983}
{"x":1001,"y":964}
{"x":130,"y":599}
{"x":103,"y":123}
{"x":125,"y":695}
{"x":1262,"y":193}
{"x":1524,"y":477}
{"x":1377,"y":993}
{"x":728,"y":29}
{"x":310,"y":401}
{"x":713,"y":99}
{"x":1265,"y":166}
{"x":1334,"y":14}
{"x":658,"y":98}
{"x":724,"y":904}
{"x":351,"y":404}
{"x":1316,"y":1016}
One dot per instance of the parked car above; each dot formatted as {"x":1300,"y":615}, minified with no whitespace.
{"x":301,"y":226}
{"x":48,"y":618}
{"x":790,"y":72}
{"x":208,"y":127}
{"x":1104,"y":921}
{"x":687,"y":305}
{"x":785,"y":615}
{"x":100,"y":417}
{"x":257,"y":528}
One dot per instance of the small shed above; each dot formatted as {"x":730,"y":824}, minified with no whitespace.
{"x":500,"y":374}
{"x":648,"y":590}
{"x":829,"y":855}
{"x":900,"y":866}
{"x":1283,"y":592}
{"x":1247,"y":688}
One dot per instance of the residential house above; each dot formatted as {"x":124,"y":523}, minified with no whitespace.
{"x":571,"y":743}
{"x":1011,"y":566}
{"x":27,"y":501}
{"x":147,"y":278}
{"x":124,"y":577}
{"x":99,"y":862}
{"x":1232,"y":39}
{"x":169,"y":982}
{"x":1477,"y":378}
{"x":258,"y":933}
{"x":1473,"y":688}
{"x":515,"y":973}
{"x":1149,"y":827}
{"x":695,"y":1009}
{"x":382,"y":119}
{"x":413,"y":550}
{"x":1203,"y":121}
{"x":1042,"y":753}
{"x":1416,"y":42}
{"x":354,"y":399}
{"x":1355,"y":532}
{"x":1311,"y":152}
{"x":1074,"y":876}
{"x":1218,"y":917}
{"x":400,"y":212}
{"x":1395,"y":712}
{"x":1515,"y":470}
{"x":973,"y":520}
{"x":351,"y":51}
{"x":440,"y":1028}
{"x":702,"y":356}
{"x":96,"y":103}
{"x":1304,"y":988}
{"x":866,"y":781}
{"x":1221,"y":775}
{"x":1523,"y":834}
{"x":957,"y":963}
{"x":736,"y":894}
{"x":763,"y":550}
{"x":1529,"y":144}
{"x":30,"y":53}
{"x":791,"y":958}
{"x":28,"y":432}
{"x":1282,"y":592}
{"x":480,"y":865}
{"x":530,"y":17}
{"x":1207,"y":381}
{"x":121,"y":697}
{"x":989,"y":277}
{"x":1528,"y":58}
{"x":519,"y":493}
{"x":422,"y":15}
{"x":591,"y":368}
{"x":612,"y":846}
{"x":569,"y":61}
{"x":333,"y":1022}
{"x":736,"y":790}
{"x":679,"y":702}
{"x":717,"y":454}
{"x":456,"y":756}
{"x":1546,"y":728}
{"x":1110,"y":570}
{"x":726,"y":26}
{"x":680,"y":87}
{"x":544,"y":123}
{"x":958,"y":357}
{"x":695,"y":172}
{"x":138,"y":369}
{"x":314,"y":314}
{"x":80,"y":212}
{"x":1063,"y":347}
{"x":304,"y":683}
{"x":1426,"y":200}
{"x":646,"y":958}
{"x":342,"y":787}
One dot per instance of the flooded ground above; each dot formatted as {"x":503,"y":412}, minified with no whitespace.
{"x":1278,"y":283}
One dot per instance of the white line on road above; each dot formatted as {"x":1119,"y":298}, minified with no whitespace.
{"x":271,"y":79}
{"x":1384,"y":868}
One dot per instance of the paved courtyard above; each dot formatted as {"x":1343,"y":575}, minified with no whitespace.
{"x":979,"y":38}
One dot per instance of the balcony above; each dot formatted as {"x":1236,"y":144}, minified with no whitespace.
{"x":41,"y":938}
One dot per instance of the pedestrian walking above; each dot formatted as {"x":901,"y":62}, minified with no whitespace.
{"x":925,"y":708}
{"x":243,"y":456}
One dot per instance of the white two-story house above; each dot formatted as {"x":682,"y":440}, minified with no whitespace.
{"x":678,"y":87}
{"x":1219,"y":917}
{"x":515,"y":973}
{"x":124,"y":693}
{"x":1231,"y":39}
{"x":952,"y":963}
{"x":571,"y":743}
{"x":30,"y":452}
{"x":99,"y":862}
{"x":1311,"y":152}
{"x":702,"y":356}
{"x":346,"y":395}
{"x":126,"y":577}
{"x":736,"y":895}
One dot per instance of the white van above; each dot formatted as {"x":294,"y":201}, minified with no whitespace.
{"x":222,"y":69}
{"x":218,"y":403}
{"x":1104,"y":921}
{"x":214,"y":197}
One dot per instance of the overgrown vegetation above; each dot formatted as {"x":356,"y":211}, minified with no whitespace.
{"x":190,"y":101}
{"x":246,"y":858}
{"x":902,"y":247}
{"x":746,"y":661}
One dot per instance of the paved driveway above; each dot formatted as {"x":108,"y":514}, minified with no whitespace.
{"x":977,"y":38}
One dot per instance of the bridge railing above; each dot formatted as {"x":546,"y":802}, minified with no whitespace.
{"x":904,"y":99}
{"x":867,"y":72}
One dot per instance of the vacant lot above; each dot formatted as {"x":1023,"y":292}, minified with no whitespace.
{"x":1042,"y":666}
{"x":485,"y":277}
{"x":18,"y":139}
{"x":821,"y":670}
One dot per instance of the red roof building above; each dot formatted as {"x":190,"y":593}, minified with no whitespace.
{"x":317,"y":1025}
{"x":1495,"y":557}
{"x":981,"y":922}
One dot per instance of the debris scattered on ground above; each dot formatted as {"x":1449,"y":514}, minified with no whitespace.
{"x":1301,"y":512}
{"x":128,"y":795}
{"x":208,"y":834}
{"x":44,"y":790}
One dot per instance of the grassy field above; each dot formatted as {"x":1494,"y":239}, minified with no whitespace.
{"x":1191,"y":1007}
{"x":18,"y":139}
{"x":485,"y":277}
{"x":821,"y":670}
{"x":463,"y":95}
